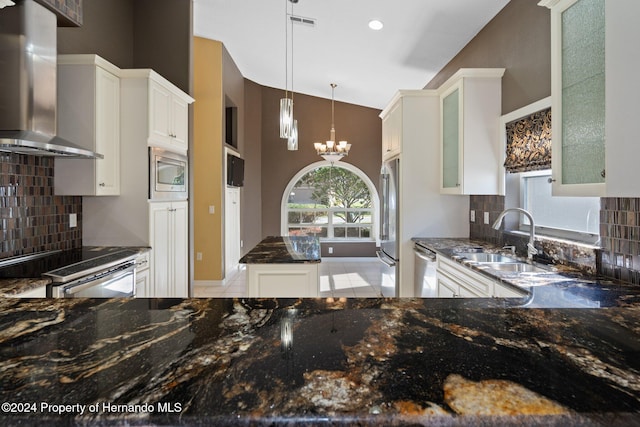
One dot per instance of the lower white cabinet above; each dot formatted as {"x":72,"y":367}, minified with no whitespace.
{"x":457,"y":281}
{"x":283,"y":280}
{"x":143,"y":276}
{"x":168,"y":232}
{"x":40,"y":292}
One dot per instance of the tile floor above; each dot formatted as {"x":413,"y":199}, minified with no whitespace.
{"x":339,"y":277}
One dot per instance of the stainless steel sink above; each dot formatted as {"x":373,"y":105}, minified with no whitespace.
{"x":486,"y":257}
{"x":515,"y":267}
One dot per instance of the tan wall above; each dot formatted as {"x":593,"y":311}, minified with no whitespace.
{"x":361,"y":126}
{"x":206,"y":158}
{"x":518,"y":39}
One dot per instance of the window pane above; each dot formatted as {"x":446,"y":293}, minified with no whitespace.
{"x":294,"y":217}
{"x":339,"y":232}
{"x":567,"y":213}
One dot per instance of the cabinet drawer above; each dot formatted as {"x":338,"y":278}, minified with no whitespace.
{"x":469,"y":281}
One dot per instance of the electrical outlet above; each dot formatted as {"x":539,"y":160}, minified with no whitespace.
{"x":330,"y":249}
{"x":73,"y":220}
{"x":212,"y":209}
{"x":486,"y":217}
{"x":198,"y":256}
{"x":473,"y":216}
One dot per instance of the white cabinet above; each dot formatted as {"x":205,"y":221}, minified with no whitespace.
{"x":160,"y":109}
{"x":168,"y":231}
{"x":143,"y":276}
{"x":231,"y":230}
{"x":168,"y":115}
{"x":283,"y":280}
{"x":461,"y":281}
{"x":392,"y":131}
{"x":594,"y":89}
{"x":471,"y":156}
{"x":89,"y":116}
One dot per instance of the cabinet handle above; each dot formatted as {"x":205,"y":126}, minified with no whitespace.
{"x":603,"y":173}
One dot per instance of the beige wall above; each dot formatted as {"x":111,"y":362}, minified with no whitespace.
{"x":518,"y":39}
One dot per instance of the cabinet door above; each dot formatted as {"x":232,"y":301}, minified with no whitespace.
{"x":447,"y":288}
{"x":160,"y":240}
{"x":160,"y":106}
{"x":578,"y":97}
{"x":180,"y":250}
{"x":392,"y":132}
{"x":451,"y":142}
{"x":107,"y":133}
{"x":180,"y":123}
{"x":142,"y":284}
{"x":232,"y":230}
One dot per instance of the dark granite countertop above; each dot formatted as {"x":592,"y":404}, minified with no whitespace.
{"x":316,"y":362}
{"x":284,"y":250}
{"x":559,"y":286}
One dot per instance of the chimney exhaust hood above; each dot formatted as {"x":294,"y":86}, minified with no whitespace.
{"x":28,"y":54}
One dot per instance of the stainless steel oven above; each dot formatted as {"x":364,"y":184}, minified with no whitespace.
{"x":168,"y":174}
{"x":108,"y":276}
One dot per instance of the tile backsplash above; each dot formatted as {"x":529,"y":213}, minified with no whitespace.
{"x":619,"y":237}
{"x":32,"y":219}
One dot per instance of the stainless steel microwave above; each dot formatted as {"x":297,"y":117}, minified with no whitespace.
{"x":168,"y":175}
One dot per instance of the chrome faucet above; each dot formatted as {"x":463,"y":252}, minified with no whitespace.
{"x":531,"y":249}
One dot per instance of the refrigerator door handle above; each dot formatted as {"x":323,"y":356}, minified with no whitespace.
{"x":385,"y":259}
{"x":384,"y":230}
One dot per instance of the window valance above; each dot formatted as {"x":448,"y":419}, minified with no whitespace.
{"x":529,"y":143}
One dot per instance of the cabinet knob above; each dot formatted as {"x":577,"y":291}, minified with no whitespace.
{"x":551,"y":180}
{"x":603,"y":173}
{"x":102,"y":184}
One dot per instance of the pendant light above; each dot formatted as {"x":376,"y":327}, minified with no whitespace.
{"x":286,"y":103}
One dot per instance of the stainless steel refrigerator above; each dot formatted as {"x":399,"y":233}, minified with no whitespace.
{"x":389,"y":233}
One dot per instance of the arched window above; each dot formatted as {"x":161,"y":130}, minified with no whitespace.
{"x":333,"y":202}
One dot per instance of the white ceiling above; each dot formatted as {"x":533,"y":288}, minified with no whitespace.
{"x":418,"y":39}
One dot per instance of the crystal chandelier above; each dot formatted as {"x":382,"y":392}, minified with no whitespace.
{"x":330,"y":150}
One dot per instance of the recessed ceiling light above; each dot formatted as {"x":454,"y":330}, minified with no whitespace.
{"x":374,"y":24}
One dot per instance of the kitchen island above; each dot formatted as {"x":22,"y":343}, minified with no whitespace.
{"x":317,"y":362}
{"x":283,"y":266}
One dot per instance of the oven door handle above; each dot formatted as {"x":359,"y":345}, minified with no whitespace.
{"x":74,"y":289}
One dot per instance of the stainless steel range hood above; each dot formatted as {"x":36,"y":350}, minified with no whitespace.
{"x":28,"y":83}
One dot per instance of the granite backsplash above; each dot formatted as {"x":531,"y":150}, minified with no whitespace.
{"x":32,"y":219}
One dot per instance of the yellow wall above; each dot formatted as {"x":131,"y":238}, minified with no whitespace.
{"x":206,"y":157}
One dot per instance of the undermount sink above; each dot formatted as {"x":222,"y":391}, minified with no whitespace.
{"x":484,"y":257}
{"x":515,"y":267}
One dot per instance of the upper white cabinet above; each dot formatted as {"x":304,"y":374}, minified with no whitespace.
{"x":470,"y":153}
{"x":89,"y":116}
{"x":594,"y":89}
{"x":165,"y":111}
{"x":392,"y":130}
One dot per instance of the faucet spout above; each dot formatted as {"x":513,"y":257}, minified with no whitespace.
{"x":531,"y":249}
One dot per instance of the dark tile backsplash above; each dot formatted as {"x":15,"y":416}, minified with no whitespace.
{"x":32,"y":219}
{"x":619,"y":237}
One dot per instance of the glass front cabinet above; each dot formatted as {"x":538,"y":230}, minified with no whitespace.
{"x":594,"y":90}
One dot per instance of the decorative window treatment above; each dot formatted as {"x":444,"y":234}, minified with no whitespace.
{"x":529,"y":143}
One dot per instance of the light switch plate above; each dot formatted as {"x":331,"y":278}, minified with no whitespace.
{"x":73,"y":220}
{"x":486,"y":217}
{"x":473,"y":216}
{"x":212,"y":209}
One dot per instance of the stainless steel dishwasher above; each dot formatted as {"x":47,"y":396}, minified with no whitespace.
{"x":424,"y":274}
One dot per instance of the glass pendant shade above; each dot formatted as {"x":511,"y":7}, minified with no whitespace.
{"x":286,"y":117}
{"x":292,"y":141}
